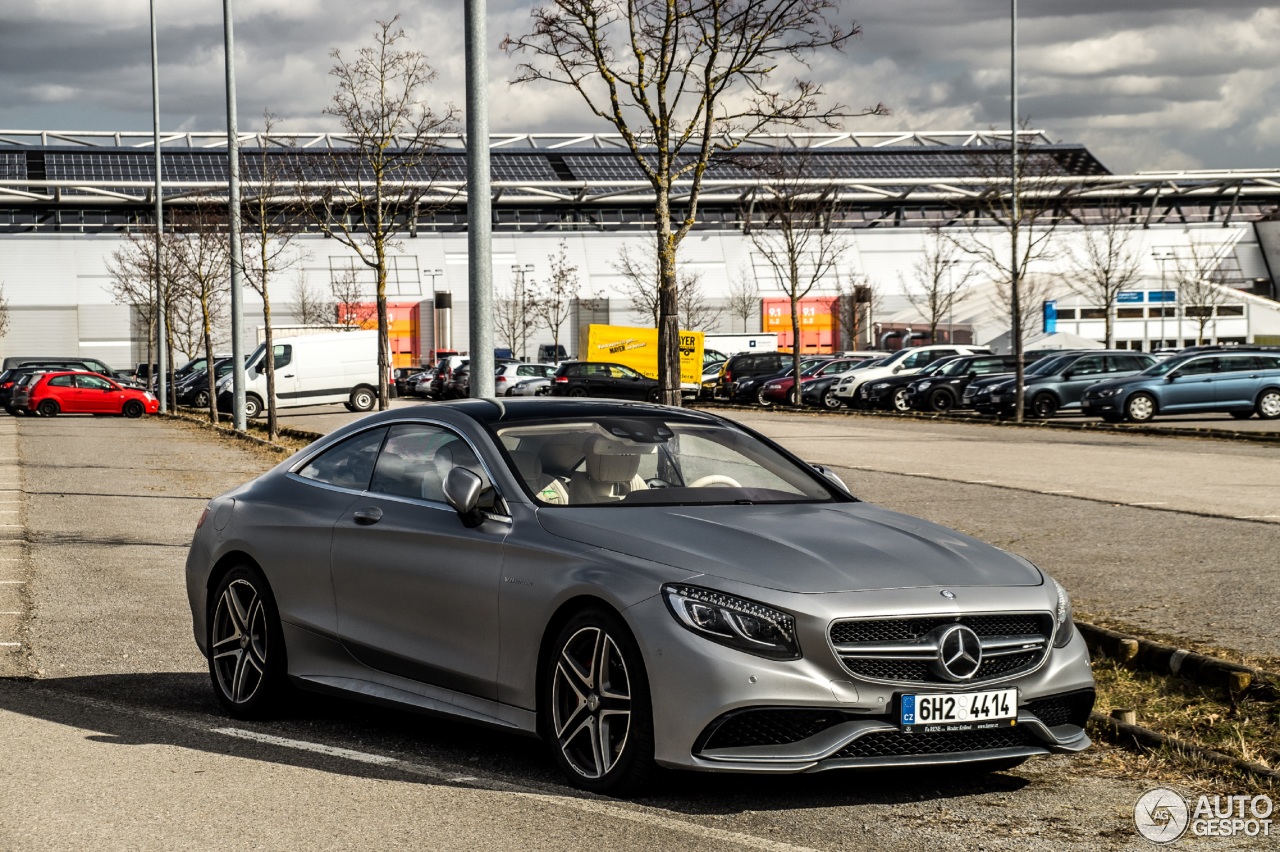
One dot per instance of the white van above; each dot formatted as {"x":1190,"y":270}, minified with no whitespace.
{"x":314,"y":369}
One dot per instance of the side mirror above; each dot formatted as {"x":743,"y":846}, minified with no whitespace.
{"x":897,"y":370}
{"x":1171,"y":377}
{"x":1068,"y":375}
{"x":462,"y":491}
{"x":831,"y":475}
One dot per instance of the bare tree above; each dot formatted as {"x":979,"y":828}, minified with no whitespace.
{"x":857,"y":302}
{"x":939,"y":282}
{"x":641,"y":273}
{"x":373,"y":190}
{"x":1198,"y":276}
{"x":744,"y":296}
{"x":202,"y":254}
{"x":4,"y":312}
{"x":272,"y":221}
{"x":554,"y":298}
{"x":312,"y":309}
{"x":515,"y":313}
{"x":1106,"y":263}
{"x":1027,"y":206}
{"x":351,"y":308}
{"x":788,"y":222}
{"x":681,"y":81}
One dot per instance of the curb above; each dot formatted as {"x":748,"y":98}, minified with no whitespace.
{"x":1166,"y":659}
{"x":1109,"y":428}
{"x":1138,"y":738}
{"x":289,"y":432}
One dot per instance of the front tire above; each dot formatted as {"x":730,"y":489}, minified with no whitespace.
{"x":363,"y":398}
{"x":1044,"y":406}
{"x":252,"y":406}
{"x":1140,"y":408}
{"x":201,"y":400}
{"x":762,"y":400}
{"x":596,"y":711}
{"x":247,"y":660}
{"x":132,"y":409}
{"x":941,"y":401}
{"x":899,"y":401}
{"x":1268,"y":406}
{"x":654,"y":395}
{"x":830,"y":401}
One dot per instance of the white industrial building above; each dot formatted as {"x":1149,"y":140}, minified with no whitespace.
{"x":66,"y":199}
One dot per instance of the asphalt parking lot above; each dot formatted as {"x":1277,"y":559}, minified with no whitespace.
{"x":115,"y":741}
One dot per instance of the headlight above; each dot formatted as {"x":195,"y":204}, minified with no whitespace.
{"x":732,"y":621}
{"x":1106,"y":393}
{"x":924,"y":385}
{"x":880,"y":385}
{"x":1063,"y":618}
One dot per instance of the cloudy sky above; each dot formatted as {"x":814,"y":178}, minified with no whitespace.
{"x":1177,"y":84}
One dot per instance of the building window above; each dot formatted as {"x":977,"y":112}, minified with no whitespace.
{"x":1129,"y":313}
{"x":1230,"y":310}
{"x":1066,"y":313}
{"x":1199,"y":310}
{"x":1093,"y":313}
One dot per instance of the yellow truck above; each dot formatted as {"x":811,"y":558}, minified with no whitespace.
{"x":637,"y":348}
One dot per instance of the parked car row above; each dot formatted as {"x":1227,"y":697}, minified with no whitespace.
{"x":50,"y":391}
{"x":1114,"y":385}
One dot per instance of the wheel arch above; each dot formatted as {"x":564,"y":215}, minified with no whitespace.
{"x":567,"y":610}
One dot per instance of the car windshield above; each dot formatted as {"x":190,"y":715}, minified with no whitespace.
{"x":650,"y":460}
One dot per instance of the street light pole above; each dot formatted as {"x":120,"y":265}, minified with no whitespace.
{"x":1161,"y":257}
{"x":1015,"y":219}
{"x":233,"y":216}
{"x":479,"y":202}
{"x":520,"y":272}
{"x":162,"y":330}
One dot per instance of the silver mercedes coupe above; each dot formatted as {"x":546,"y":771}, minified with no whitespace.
{"x":641,"y":586}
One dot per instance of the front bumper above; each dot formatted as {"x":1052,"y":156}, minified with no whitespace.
{"x":698,"y":687}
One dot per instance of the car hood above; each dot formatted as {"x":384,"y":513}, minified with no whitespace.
{"x":804,"y":548}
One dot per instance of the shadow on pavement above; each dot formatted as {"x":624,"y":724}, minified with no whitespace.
{"x":179,"y":709}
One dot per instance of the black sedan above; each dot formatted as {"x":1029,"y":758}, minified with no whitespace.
{"x":595,"y":378}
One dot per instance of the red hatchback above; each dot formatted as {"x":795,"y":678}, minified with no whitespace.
{"x":87,"y":393}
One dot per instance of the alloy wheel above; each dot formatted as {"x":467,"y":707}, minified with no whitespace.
{"x":830,"y":401}
{"x":900,"y":401}
{"x":239,"y":644}
{"x":591,"y":702}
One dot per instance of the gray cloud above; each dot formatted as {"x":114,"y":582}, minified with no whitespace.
{"x":1196,"y":81}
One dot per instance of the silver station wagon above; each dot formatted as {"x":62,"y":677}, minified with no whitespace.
{"x":641,"y":586}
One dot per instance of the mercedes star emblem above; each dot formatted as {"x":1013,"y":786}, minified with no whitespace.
{"x":948,"y":594}
{"x":959,"y":653}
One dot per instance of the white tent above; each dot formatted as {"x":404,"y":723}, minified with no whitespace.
{"x":1061,"y":340}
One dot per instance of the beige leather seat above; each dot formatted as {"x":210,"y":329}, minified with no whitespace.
{"x":544,"y":486}
{"x":610,"y":471}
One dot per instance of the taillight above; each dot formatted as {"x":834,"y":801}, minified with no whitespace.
{"x":562,"y":380}
{"x":7,"y":385}
{"x":728,"y":377}
{"x":203,"y":516}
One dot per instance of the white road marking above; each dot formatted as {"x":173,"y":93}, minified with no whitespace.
{"x":1152,"y":503}
{"x":12,"y":582}
{"x":572,"y":801}
{"x":1059,"y":491}
{"x":979,"y":481}
{"x":10,"y":644}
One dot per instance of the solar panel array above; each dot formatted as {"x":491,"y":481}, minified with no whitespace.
{"x":600,"y":169}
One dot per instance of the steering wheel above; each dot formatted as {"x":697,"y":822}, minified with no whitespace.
{"x":715,"y":479}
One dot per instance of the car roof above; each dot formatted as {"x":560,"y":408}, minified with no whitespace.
{"x":492,"y":411}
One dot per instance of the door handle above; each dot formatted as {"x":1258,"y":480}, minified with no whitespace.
{"x":288,"y":375}
{"x":367,"y":517}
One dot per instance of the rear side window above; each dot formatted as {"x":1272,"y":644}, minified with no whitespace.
{"x":349,"y":464}
{"x":1269,"y":362}
{"x":1087,"y":366}
{"x":63,"y":381}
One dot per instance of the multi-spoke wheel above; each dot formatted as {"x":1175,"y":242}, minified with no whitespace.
{"x":246,"y":647}
{"x":830,"y":401}
{"x":596,"y":705}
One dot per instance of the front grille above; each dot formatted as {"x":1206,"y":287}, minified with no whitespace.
{"x":767,"y":727}
{"x":912,"y":656}
{"x":1071,"y":708}
{"x":906,"y":629}
{"x":898,"y":744}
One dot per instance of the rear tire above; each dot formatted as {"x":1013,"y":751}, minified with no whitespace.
{"x":899,"y":401}
{"x":654,"y":395}
{"x":577,"y":391}
{"x":248,"y":664}
{"x":132,"y":409}
{"x":363,"y":398}
{"x":48,"y":408}
{"x":1268,"y":406}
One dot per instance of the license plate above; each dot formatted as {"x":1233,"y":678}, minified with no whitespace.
{"x":959,"y":710}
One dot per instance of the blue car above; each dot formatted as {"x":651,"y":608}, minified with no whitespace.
{"x":1239,"y":383}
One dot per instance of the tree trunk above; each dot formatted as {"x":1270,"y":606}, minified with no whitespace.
{"x":668,"y":306}
{"x":795,"y":330}
{"x":384,"y":399}
{"x":269,"y":361}
{"x":210,"y":376}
